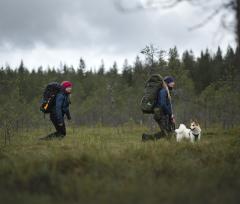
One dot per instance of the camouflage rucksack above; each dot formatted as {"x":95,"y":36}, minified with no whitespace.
{"x":152,"y":87}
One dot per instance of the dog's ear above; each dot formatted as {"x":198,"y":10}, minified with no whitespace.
{"x":192,"y":121}
{"x":196,"y":121}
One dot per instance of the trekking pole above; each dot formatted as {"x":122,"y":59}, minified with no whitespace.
{"x":172,"y":125}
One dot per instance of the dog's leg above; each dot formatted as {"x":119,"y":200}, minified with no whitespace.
{"x":192,"y":138}
{"x":179,"y":138}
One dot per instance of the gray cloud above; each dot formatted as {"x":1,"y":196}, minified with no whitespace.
{"x":97,"y":25}
{"x":25,"y":22}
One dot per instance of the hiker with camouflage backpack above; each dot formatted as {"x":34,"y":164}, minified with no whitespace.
{"x":56,"y":102}
{"x":161,"y":108}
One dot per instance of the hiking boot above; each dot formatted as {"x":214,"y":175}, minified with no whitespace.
{"x":146,"y":137}
{"x":60,"y":137}
{"x":158,"y":136}
{"x":45,"y":138}
{"x":48,"y":137}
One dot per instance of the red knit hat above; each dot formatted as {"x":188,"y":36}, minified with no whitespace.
{"x":66,"y":84}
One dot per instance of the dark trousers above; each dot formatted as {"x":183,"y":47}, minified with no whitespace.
{"x":163,"y":122}
{"x":165,"y":125}
{"x":60,"y":129}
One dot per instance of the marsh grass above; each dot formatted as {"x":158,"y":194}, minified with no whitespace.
{"x":112,"y":165}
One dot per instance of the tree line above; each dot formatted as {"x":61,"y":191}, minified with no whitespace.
{"x":207,"y":88}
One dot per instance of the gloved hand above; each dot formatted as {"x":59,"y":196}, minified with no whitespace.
{"x":172,"y":124}
{"x":173,"y":120}
{"x":69,"y":117}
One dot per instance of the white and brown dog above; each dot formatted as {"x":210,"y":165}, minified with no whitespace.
{"x":193,"y":134}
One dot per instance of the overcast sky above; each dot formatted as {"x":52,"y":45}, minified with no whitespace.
{"x":48,"y":32}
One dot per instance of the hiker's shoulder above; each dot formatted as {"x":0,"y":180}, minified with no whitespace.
{"x":163,"y":91}
{"x":60,"y":96}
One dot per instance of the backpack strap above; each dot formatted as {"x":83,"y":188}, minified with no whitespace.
{"x":169,"y":95}
{"x":168,"y":92}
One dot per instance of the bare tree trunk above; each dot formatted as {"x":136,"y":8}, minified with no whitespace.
{"x":238,"y":30}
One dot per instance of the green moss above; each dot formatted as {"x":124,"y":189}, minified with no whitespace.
{"x":112,"y":165}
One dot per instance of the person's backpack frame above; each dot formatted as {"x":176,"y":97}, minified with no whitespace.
{"x":49,"y":95}
{"x":151,"y":90}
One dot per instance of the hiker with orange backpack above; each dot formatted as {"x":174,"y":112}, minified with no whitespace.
{"x":56,"y":102}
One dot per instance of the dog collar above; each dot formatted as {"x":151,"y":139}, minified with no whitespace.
{"x":196,"y":135}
